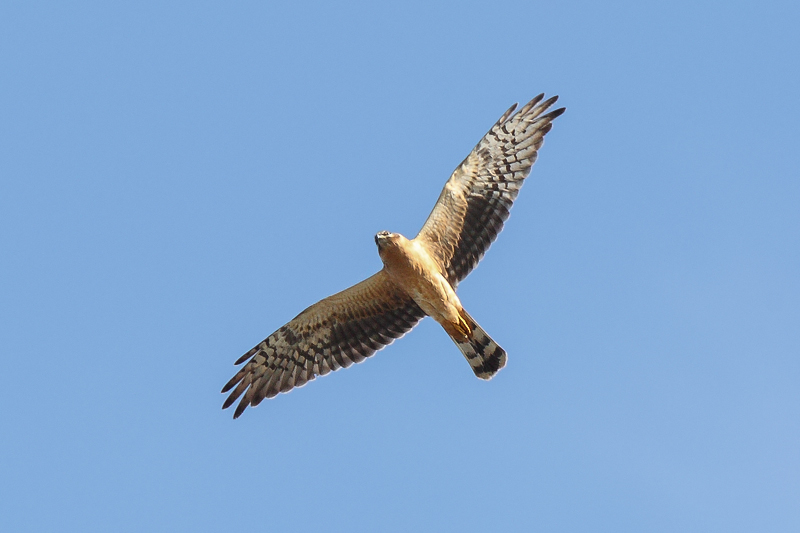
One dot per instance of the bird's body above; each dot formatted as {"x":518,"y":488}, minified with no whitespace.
{"x":419,"y":276}
{"x":409,"y":266}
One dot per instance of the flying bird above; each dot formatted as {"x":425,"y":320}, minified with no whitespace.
{"x":419,"y":276}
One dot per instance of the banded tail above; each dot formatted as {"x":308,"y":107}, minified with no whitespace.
{"x":484,"y":355}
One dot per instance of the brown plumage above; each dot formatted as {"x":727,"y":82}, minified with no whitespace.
{"x":419,"y":276}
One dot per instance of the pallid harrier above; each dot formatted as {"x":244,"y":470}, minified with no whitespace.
{"x":418,"y":278}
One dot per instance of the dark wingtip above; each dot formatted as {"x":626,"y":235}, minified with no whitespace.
{"x":530,"y":105}
{"x":233,"y":381}
{"x":547,"y":103}
{"x":240,"y":408}
{"x":506,"y":114}
{"x":244,"y":358}
{"x":228,"y":401}
{"x":557,"y":113}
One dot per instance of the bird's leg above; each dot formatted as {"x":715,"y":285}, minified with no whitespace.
{"x":463,"y":327}
{"x":458,"y":329}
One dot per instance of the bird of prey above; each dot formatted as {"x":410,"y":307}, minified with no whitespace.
{"x":419,"y":276}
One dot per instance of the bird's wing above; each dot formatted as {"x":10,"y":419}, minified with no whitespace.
{"x":476,"y":199}
{"x":333,"y":333}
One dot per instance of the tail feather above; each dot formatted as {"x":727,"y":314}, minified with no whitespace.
{"x":484,"y":355}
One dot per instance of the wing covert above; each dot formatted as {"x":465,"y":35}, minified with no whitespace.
{"x":476,"y":200}
{"x":336,"y":332}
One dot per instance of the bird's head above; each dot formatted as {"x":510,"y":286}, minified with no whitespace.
{"x":383,"y":238}
{"x":389,"y":243}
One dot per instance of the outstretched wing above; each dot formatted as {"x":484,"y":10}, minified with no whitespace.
{"x":476,"y":199}
{"x":336,"y":332}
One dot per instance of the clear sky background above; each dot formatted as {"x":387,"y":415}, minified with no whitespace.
{"x":178,"y":181}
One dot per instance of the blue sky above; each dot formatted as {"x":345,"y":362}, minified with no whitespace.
{"x":178,"y":181}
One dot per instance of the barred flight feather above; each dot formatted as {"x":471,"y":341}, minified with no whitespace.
{"x":476,"y":200}
{"x":334,"y":333}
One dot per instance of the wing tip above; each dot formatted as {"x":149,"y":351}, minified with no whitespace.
{"x":534,"y":109}
{"x":530,"y":105}
{"x":552,"y":115}
{"x":507,"y":114}
{"x":244,"y":358}
{"x":228,"y":401}
{"x":240,"y":408}
{"x":229,"y":385}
